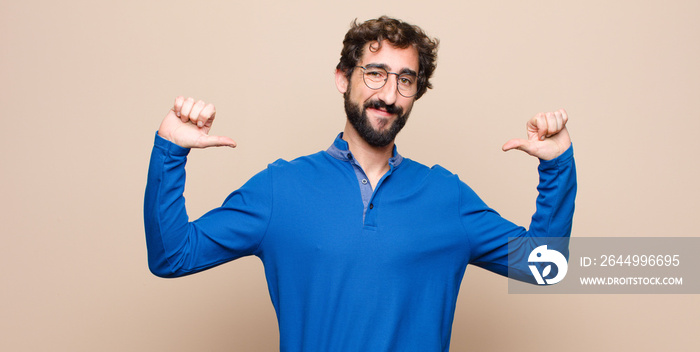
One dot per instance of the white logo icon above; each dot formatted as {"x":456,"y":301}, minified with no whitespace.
{"x":543,"y":255}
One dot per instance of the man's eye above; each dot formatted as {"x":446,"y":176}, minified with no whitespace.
{"x":378,"y":75}
{"x":406,"y":81}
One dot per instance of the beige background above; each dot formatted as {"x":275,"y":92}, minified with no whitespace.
{"x":84,"y":85}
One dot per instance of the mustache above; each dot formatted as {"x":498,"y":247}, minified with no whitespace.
{"x":380,"y":105}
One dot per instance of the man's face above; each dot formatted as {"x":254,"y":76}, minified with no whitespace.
{"x":378,"y":115}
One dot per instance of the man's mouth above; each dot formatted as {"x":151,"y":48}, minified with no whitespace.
{"x":382,"y":108}
{"x":380,"y":112}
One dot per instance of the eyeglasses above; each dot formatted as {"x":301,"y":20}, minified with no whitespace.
{"x":376,"y":77}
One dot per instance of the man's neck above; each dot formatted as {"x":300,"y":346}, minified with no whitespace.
{"x":373,"y":160}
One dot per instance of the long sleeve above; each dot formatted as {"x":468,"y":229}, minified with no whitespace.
{"x":490,"y":234}
{"x":178,"y":247}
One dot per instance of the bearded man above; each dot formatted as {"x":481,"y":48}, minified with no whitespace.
{"x":363,"y":249}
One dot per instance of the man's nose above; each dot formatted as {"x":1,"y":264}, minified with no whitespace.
{"x":388,"y":93}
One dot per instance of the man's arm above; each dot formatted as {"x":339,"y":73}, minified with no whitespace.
{"x":489,"y":233}
{"x":176,"y":246}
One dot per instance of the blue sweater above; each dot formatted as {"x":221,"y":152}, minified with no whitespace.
{"x":338,"y":282}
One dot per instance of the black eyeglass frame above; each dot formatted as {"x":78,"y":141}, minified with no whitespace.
{"x":398,"y":75}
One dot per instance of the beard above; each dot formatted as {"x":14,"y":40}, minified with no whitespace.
{"x":359,"y":120}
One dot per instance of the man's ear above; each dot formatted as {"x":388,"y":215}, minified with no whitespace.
{"x":341,"y":81}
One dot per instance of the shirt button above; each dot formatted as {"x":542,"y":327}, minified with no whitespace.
{"x":371,"y":206}
{"x":364,"y":181}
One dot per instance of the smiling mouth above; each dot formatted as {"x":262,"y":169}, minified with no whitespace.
{"x":381,"y":112}
{"x":382,"y":108}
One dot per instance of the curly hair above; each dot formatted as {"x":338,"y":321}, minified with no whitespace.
{"x":397,"y":33}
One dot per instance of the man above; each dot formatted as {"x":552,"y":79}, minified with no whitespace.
{"x":363,"y":249}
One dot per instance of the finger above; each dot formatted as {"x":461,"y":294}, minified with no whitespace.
{"x":559,"y":119}
{"x":207,"y":115}
{"x":216,"y":141}
{"x":186,"y":109}
{"x":531,"y":124}
{"x":564,"y":116}
{"x":551,"y":124}
{"x":195,"y":113}
{"x":516,"y":143}
{"x":540,"y":123}
{"x":521,"y":144}
{"x":177,"y":106}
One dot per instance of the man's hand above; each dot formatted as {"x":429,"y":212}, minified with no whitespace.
{"x":547,"y":137}
{"x":188,"y":123}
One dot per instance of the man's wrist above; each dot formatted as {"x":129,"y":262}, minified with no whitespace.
{"x":170,"y":147}
{"x":563,"y":158}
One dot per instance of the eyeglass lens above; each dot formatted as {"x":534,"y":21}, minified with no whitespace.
{"x":376,"y":78}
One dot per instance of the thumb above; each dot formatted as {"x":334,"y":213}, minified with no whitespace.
{"x":216,"y":141}
{"x":517,"y":143}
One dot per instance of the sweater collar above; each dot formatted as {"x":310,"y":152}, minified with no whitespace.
{"x":340,"y":150}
